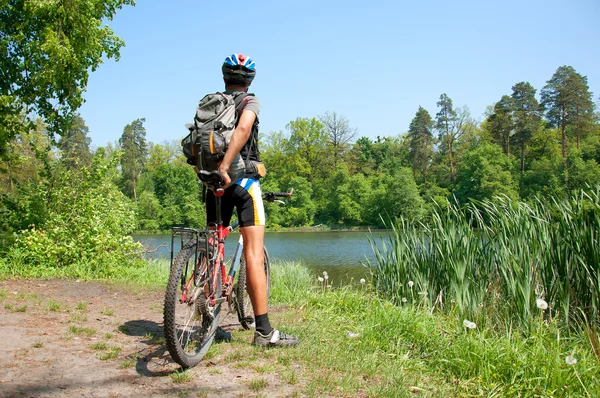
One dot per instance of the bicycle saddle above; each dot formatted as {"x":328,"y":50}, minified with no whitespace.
{"x":213,"y":179}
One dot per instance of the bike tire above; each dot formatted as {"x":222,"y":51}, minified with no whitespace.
{"x":242,"y":300}
{"x":190,"y":327}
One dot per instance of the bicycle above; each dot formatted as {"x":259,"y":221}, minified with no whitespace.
{"x":198,"y":283}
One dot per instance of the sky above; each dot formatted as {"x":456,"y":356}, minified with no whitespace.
{"x":373,"y":62}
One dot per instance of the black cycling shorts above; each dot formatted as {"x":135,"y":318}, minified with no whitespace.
{"x":246,"y":196}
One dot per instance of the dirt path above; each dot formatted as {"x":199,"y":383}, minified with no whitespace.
{"x":64,"y":338}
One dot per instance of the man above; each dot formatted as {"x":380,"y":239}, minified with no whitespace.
{"x":245,"y":195}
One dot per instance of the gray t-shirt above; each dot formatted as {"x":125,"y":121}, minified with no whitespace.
{"x":252,"y":104}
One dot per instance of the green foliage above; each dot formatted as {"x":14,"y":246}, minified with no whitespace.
{"x":420,"y":139}
{"x":178,"y":192}
{"x":134,"y":147}
{"x":499,"y":254}
{"x":87,"y":221}
{"x":50,"y":48}
{"x":74,"y":144}
{"x":484,"y":174}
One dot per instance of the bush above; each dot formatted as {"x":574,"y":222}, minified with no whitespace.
{"x":88,"y":222}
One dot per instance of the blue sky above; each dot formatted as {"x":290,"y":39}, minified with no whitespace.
{"x":373,"y":62}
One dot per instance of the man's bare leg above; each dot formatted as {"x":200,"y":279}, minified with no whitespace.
{"x":256,"y":280}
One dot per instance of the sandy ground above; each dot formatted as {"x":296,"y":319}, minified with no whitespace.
{"x":64,"y":338}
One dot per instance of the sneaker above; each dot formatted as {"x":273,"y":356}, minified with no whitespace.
{"x":274,"y":339}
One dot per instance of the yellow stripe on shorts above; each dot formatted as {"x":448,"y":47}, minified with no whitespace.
{"x":259,"y":209}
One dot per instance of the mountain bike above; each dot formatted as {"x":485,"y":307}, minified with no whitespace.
{"x":199,"y":283}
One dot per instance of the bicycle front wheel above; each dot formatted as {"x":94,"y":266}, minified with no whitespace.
{"x":242,"y":300}
{"x":190,"y":319}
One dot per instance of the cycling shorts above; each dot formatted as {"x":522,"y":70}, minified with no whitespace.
{"x":245,"y":195}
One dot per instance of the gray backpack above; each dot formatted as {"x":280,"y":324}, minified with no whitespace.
{"x":205,"y":146}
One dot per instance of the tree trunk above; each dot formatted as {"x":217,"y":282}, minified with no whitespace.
{"x":451,"y":160}
{"x":522,"y":156}
{"x":563,"y":139}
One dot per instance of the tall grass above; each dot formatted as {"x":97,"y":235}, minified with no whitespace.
{"x":492,"y":260}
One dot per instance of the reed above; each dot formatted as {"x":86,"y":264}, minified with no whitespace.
{"x":492,"y":261}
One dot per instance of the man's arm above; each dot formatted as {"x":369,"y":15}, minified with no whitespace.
{"x":238,"y":140}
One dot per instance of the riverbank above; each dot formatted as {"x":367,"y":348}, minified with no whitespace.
{"x":353,"y":343}
{"x":315,"y":228}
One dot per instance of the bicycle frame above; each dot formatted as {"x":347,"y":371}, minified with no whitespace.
{"x":214,"y":246}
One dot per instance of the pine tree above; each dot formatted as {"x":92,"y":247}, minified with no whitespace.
{"x":74,"y":144}
{"x":134,"y":147}
{"x":420,"y":139}
{"x":568,"y":103}
{"x":526,"y":115}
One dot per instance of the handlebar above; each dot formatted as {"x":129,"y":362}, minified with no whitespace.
{"x":271,"y":196}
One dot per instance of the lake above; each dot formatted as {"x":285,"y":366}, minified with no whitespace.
{"x":341,"y":254}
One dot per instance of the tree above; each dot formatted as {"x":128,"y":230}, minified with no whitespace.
{"x":133,"y":145}
{"x":339,"y":132}
{"x":306,"y":147}
{"x":501,"y":123}
{"x":420,"y":140}
{"x":75,"y":144}
{"x":526,"y":115}
{"x":444,"y":123}
{"x":568,"y":104}
{"x":484,"y":173}
{"x":49,"y":49}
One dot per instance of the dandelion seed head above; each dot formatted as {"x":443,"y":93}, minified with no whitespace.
{"x":541,"y":304}
{"x":469,"y":325}
{"x":404,"y":300}
{"x":363,"y":281}
{"x":326,"y":276}
{"x":570,"y":360}
{"x":320,"y":279}
{"x":411,"y":284}
{"x":324,"y":273}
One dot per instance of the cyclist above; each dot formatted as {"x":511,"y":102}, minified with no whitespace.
{"x":245,"y":195}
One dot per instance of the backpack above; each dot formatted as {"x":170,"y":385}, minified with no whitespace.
{"x":215,"y":121}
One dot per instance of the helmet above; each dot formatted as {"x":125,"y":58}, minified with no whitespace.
{"x":238,"y":68}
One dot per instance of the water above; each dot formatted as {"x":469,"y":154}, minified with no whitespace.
{"x":341,"y":254}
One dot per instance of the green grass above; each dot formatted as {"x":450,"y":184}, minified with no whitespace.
{"x":258,"y":384}
{"x":81,"y":306}
{"x":81,"y":331}
{"x":99,"y":346}
{"x":53,"y":306}
{"x":490,"y":261}
{"x":181,"y":377}
{"x":112,"y":353}
{"x":108,"y":312}
{"x":12,"y":308}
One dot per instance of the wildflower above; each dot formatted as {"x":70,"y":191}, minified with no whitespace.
{"x":570,"y":360}
{"x":320,"y":279}
{"x":411,"y":284}
{"x":404,"y":300}
{"x":362,"y":281}
{"x":324,"y":273}
{"x":326,"y":276}
{"x":541,"y":304}
{"x":469,"y":325}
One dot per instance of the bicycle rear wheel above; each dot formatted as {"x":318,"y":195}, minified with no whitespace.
{"x":190,"y":320}
{"x":242,"y":300}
